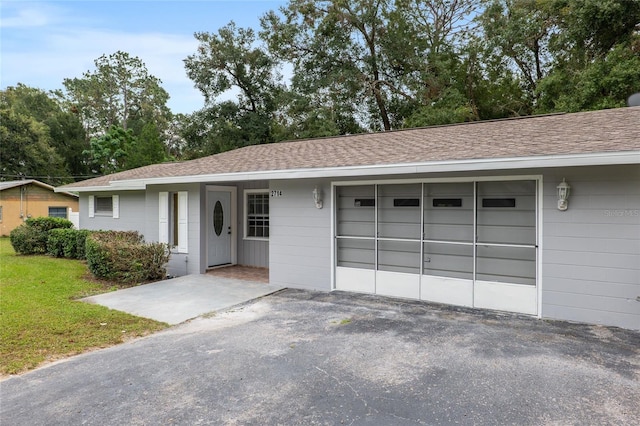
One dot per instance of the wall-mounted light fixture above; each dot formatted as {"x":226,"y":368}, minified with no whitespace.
{"x":317,"y":197}
{"x":563,"y":195}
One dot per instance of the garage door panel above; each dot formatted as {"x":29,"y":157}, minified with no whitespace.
{"x":398,"y":284}
{"x":448,"y":260}
{"x":506,"y":264}
{"x":456,"y":233}
{"x":451,"y":291}
{"x":399,"y":256}
{"x":356,"y":253}
{"x":356,"y":280}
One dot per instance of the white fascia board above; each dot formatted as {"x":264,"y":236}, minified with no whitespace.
{"x":131,"y":186}
{"x":598,"y":159}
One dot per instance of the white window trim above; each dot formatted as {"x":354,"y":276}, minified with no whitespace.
{"x":115,"y":207}
{"x":245,"y":215}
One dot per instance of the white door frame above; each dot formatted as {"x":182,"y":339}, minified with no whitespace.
{"x":233,"y":215}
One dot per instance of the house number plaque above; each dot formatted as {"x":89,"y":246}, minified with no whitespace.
{"x":276,"y":193}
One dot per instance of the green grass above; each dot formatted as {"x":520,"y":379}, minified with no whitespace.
{"x":40,"y":318}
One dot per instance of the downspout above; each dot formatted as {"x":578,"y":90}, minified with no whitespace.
{"x":22,"y":189}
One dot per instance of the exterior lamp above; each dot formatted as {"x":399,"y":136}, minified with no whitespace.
{"x":563,"y":195}
{"x":317,"y":197}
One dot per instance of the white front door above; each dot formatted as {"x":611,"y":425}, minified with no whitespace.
{"x":219,"y":227}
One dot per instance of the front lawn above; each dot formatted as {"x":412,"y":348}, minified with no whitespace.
{"x":40,"y":318}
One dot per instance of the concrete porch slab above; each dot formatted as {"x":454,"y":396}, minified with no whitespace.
{"x":179,"y":299}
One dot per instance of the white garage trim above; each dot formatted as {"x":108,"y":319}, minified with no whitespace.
{"x":481,"y":293}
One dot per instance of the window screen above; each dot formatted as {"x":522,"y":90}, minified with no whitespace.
{"x":104,"y":205}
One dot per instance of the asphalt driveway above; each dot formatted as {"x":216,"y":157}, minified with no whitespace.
{"x":299,"y":357}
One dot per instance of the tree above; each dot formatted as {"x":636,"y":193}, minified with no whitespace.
{"x":145,"y":149}
{"x":108,"y":152}
{"x":228,"y":62}
{"x":597,"y":56}
{"x":118,"y":92}
{"x":375,"y":60}
{"x":65,"y":131}
{"x":521,"y":32}
{"x":569,"y":55}
{"x":336,"y":51}
{"x":25,"y":150}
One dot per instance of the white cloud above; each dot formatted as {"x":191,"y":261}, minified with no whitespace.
{"x":68,"y":52}
{"x":23,"y":17}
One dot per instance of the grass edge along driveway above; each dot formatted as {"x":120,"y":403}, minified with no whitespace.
{"x":41,"y":319}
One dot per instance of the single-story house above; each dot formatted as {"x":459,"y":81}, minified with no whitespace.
{"x":536,"y":215}
{"x":22,"y":199}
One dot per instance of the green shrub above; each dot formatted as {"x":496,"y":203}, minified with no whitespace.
{"x":31,"y":237}
{"x":28,"y":240}
{"x":56,"y":241}
{"x":65,"y":242}
{"x":124,"y":257}
{"x":81,"y":237}
{"x":48,"y":223}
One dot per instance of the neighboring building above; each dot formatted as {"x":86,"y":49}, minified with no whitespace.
{"x":465,"y":214}
{"x":22,"y":199}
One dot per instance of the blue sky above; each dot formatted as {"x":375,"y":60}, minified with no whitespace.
{"x":42,"y":43}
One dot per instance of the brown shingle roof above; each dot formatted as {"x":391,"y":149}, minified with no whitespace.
{"x":613,"y":130}
{"x":15,"y":183}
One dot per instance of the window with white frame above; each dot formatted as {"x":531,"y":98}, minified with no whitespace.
{"x":173,"y":222}
{"x":256,"y":208}
{"x":100,"y":205}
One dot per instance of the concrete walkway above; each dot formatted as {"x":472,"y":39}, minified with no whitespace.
{"x":179,"y":299}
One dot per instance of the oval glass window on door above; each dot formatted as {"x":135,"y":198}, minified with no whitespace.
{"x":218,"y":218}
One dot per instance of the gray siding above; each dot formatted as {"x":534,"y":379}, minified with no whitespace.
{"x":250,"y":252}
{"x":133,"y":215}
{"x":300,"y":236}
{"x":591,"y":257}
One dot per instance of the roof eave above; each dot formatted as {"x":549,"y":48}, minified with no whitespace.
{"x":134,"y":185}
{"x":571,"y":160}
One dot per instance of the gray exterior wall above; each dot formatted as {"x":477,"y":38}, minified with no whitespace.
{"x":133,"y":215}
{"x":591,"y":252}
{"x":179,"y":263}
{"x":300,"y":235}
{"x":139,"y":212}
{"x":250,"y":252}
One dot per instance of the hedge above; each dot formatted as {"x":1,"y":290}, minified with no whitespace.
{"x":31,"y":237}
{"x":123,"y":256}
{"x":69,"y":243}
